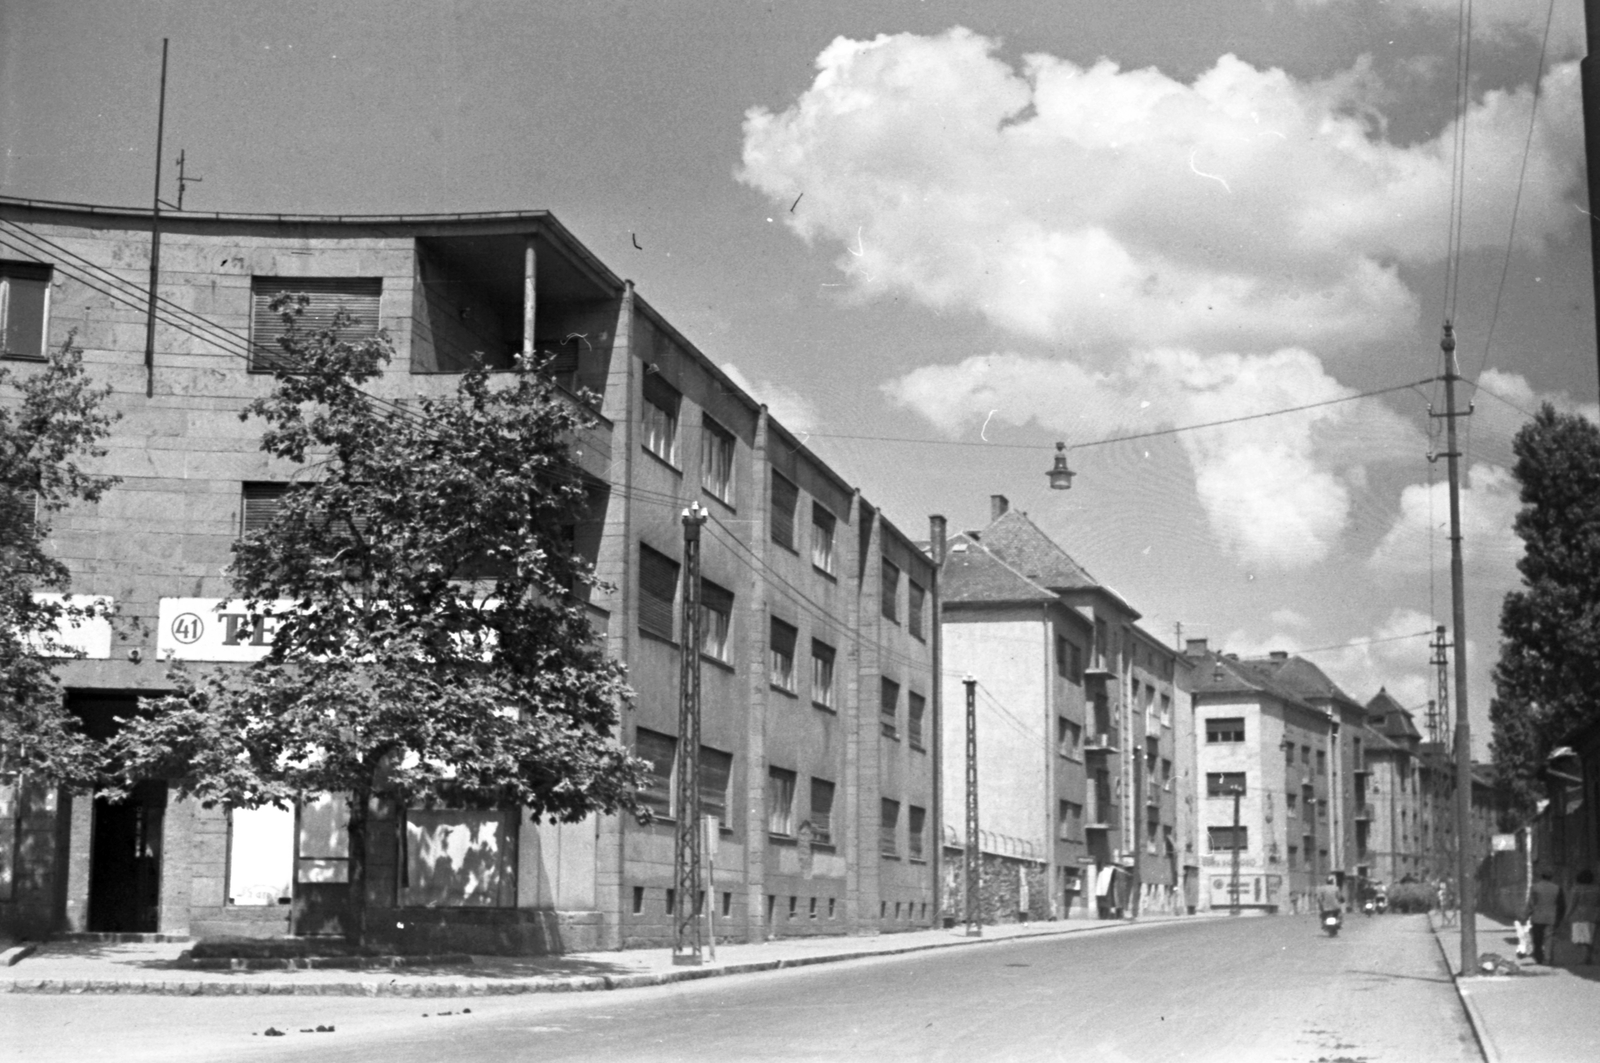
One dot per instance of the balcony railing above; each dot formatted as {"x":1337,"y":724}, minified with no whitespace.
{"x":1101,"y":742}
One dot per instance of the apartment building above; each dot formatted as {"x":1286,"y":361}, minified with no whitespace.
{"x":1078,"y":759}
{"x":820,"y":712}
{"x":1262,"y":748}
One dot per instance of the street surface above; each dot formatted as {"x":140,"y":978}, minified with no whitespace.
{"x":1249,"y":989}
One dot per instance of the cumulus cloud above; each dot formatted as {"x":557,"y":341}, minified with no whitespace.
{"x":1489,"y":505}
{"x":792,"y":409}
{"x":1276,"y":491}
{"x":1123,"y":208}
{"x":1497,"y":19}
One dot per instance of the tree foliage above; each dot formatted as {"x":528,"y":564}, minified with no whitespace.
{"x":436,"y":648}
{"x":1548,"y":677}
{"x":51,"y":422}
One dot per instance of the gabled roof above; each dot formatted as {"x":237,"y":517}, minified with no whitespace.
{"x":1305,"y":678}
{"x":1386,"y":714}
{"x":1218,"y":673}
{"x":1018,"y":541}
{"x":973,"y":574}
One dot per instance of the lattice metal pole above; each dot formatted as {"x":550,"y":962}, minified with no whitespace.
{"x":686,"y":858}
{"x":974,"y":855}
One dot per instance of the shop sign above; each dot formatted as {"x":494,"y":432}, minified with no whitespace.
{"x":214,"y":629}
{"x":89,"y":639}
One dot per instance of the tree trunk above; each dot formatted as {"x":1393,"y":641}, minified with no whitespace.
{"x":356,"y":927}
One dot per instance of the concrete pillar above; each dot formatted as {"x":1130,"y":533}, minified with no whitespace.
{"x":760,"y":637}
{"x":80,"y":843}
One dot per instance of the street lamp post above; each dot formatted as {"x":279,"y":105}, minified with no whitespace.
{"x":973,"y":868}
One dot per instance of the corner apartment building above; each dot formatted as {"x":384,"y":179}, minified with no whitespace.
{"x":820,"y":713}
{"x":1079,"y":761}
{"x":1260,"y":733}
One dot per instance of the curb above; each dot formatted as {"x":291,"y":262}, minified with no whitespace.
{"x":1475,"y":1021}
{"x":517,"y":987}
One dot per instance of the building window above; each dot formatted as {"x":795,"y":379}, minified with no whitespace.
{"x":823,"y":525}
{"x":916,"y":705}
{"x":19,"y":519}
{"x":785,"y":497}
{"x":715,"y":772}
{"x":1166,"y":774}
{"x":258,"y":505}
{"x":821,"y":674}
{"x":1063,"y":658}
{"x":1069,"y":821}
{"x":1075,"y":652}
{"x":780,"y":801}
{"x":1225,"y":729}
{"x":1166,"y":710}
{"x":916,"y":818}
{"x":889,"y":827}
{"x":1322,"y":809}
{"x":1322,"y":762}
{"x":658,"y":590}
{"x":1305,"y":755}
{"x":891,"y":592}
{"x":1288,"y":754}
{"x":1228,"y":839}
{"x":783,"y":655}
{"x":659,"y":419}
{"x":24,"y":310}
{"x":821,"y":811}
{"x":658,"y":751}
{"x":716,"y":614}
{"x":1223,"y":783}
{"x":1291,"y":803}
{"x":915,"y":596}
{"x":1294,"y":857}
{"x":716,"y":460}
{"x":358,"y":297}
{"x":1069,"y":738}
{"x":889,"y":708}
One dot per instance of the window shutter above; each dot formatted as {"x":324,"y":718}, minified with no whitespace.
{"x":658,"y":589}
{"x":19,"y":516}
{"x":716,"y":598}
{"x":715,"y":769}
{"x":659,"y":750}
{"x":785,"y":496}
{"x":359,"y":296}
{"x":261,"y":502}
{"x":24,"y":297}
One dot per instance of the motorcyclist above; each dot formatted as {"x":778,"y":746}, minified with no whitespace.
{"x":1330,"y":900}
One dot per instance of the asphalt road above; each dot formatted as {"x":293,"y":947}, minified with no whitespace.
{"x":1230,"y":990}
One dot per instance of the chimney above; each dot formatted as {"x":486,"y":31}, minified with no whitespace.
{"x":937,"y":538}
{"x":998,"y":504}
{"x":1194,"y":647}
{"x":1279,"y":655}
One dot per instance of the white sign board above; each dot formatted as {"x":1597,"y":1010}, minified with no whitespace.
{"x":214,"y":629}
{"x":1503,"y":843}
{"x":88,"y":638}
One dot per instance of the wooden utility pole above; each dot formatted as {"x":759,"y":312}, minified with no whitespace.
{"x":1465,"y":882}
{"x":1591,"y":142}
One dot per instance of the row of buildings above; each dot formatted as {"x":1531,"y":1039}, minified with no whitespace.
{"x":835,"y":650}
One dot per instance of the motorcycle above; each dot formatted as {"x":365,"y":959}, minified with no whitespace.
{"x":1369,"y":907}
{"x":1331,"y":923}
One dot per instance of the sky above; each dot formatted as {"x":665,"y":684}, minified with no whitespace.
{"x":938,"y":237}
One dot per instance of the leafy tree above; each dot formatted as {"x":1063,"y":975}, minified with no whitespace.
{"x":1549,"y":668}
{"x":51,"y":419}
{"x":437,"y":651}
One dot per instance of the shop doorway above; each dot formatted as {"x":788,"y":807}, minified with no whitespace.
{"x":125,"y":847}
{"x":125,"y":861}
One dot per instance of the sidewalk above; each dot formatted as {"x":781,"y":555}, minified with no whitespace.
{"x":1543,"y":1015}
{"x":152,"y":967}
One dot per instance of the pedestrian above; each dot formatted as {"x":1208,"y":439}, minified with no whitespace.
{"x":1584,"y":912}
{"x":1545,"y":903}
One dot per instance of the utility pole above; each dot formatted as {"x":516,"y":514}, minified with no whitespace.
{"x":686,"y":854}
{"x":1233,"y":883}
{"x":155,"y":238}
{"x":1591,"y":137}
{"x":1458,"y":614}
{"x":974,"y":855}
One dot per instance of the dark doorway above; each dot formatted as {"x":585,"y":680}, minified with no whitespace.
{"x":125,"y":854}
{"x":125,"y":861}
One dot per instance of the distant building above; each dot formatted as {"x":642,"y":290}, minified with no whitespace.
{"x":821,"y":714}
{"x":1263,"y":746}
{"x":1080,"y":762}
